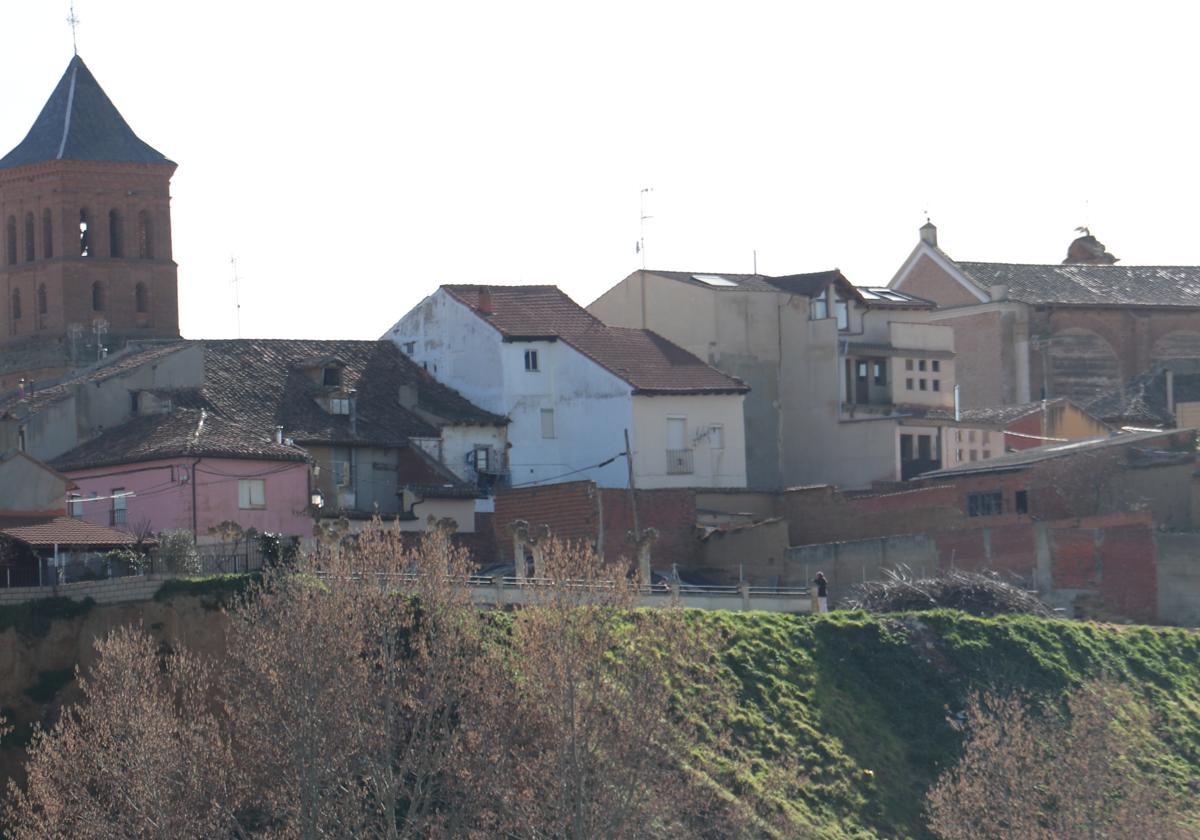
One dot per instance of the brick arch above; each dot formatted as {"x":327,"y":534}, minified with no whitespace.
{"x":1081,"y":364}
{"x":1178,"y":344}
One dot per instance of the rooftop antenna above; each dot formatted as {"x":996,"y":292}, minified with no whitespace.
{"x":74,"y":21}
{"x":641,"y":245}
{"x":237,"y":299}
{"x":755,"y":262}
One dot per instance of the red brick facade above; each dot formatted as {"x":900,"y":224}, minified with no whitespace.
{"x":127,"y":278}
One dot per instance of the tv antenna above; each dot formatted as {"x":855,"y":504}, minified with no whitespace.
{"x":74,"y":22}
{"x":237,"y":299}
{"x":641,"y":244}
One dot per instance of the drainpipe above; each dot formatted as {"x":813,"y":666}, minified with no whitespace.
{"x":195,"y":536}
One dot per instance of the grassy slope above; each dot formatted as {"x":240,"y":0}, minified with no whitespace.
{"x":829,"y":698}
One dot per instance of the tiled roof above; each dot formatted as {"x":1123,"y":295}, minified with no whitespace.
{"x":808,"y":285}
{"x":1142,"y":401}
{"x":181,"y":433}
{"x":79,"y":122}
{"x":1096,"y":285}
{"x":43,"y":395}
{"x":263,"y":383}
{"x":46,"y":531}
{"x":998,"y":416}
{"x":1024,"y":458}
{"x":644,"y":359}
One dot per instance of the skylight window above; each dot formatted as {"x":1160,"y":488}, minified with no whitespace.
{"x":714,"y":280}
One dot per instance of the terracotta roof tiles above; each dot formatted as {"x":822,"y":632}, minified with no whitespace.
{"x":642,"y":358}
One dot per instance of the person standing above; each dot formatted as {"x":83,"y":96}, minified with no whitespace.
{"x":822,"y":600}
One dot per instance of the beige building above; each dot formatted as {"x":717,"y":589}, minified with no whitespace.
{"x":840,"y":377}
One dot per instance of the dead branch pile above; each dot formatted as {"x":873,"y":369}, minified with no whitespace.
{"x":978,"y":594}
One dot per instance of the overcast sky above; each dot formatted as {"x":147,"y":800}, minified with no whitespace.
{"x":354,"y":158}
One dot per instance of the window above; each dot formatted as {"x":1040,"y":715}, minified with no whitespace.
{"x":30,"y":248}
{"x":841,"y":309}
{"x":958,"y":456}
{"x":116,"y":244}
{"x":985,"y":504}
{"x":141,"y":300}
{"x":880,"y":371}
{"x":974,"y":454}
{"x":47,"y":234}
{"x":923,"y":385}
{"x":531,"y":362}
{"x":42,"y":304}
{"x":548,"y":423}
{"x":75,"y":506}
{"x":1022,"y":501}
{"x":971,"y":436}
{"x":987,"y":437}
{"x":145,"y":236}
{"x":819,"y":309}
{"x":85,"y":238}
{"x":118,"y":506}
{"x":339,"y":405}
{"x":252,"y":493}
{"x":987,"y":453}
{"x":908,"y":384}
{"x":958,"y":436}
{"x":16,"y":304}
{"x":716,"y":436}
{"x":134,"y":402}
{"x":343,"y":473}
{"x":921,"y":365}
{"x":410,"y":347}
{"x":332,"y":377}
{"x":908,"y":364}
{"x":937,"y":384}
{"x":97,"y":296}
{"x":935,"y":365}
{"x":10,"y":244}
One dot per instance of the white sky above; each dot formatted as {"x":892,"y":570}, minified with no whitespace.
{"x":355,"y":155}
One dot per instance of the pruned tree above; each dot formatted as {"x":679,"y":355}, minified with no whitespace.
{"x":142,"y":756}
{"x":1029,"y":772}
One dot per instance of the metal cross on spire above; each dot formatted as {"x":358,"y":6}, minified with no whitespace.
{"x":73,"y":21}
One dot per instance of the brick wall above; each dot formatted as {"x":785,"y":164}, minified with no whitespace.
{"x":822,"y":514}
{"x":571,"y":511}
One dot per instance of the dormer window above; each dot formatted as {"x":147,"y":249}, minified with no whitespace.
{"x":339,"y":405}
{"x":333,"y":379}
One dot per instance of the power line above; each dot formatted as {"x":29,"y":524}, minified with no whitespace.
{"x":572,"y":472}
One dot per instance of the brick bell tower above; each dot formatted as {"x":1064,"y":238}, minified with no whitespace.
{"x":85,"y":235}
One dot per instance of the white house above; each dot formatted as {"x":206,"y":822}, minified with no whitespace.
{"x":571,"y":387}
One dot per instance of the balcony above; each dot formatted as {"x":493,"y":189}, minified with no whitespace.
{"x":116,"y":516}
{"x":679,"y":462}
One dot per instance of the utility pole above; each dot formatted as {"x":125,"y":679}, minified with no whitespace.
{"x":637,"y":531}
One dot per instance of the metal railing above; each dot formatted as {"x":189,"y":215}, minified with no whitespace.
{"x":679,"y":462}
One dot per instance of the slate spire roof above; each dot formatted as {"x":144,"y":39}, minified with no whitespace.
{"x":80,"y":122}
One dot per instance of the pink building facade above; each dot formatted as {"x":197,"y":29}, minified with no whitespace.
{"x":194,"y":494}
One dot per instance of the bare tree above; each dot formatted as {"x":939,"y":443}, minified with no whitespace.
{"x":141,"y":757}
{"x":1029,"y":773}
{"x":601,"y":727}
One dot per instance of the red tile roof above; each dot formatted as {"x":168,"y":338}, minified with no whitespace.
{"x":45,"y":531}
{"x":644,"y":359}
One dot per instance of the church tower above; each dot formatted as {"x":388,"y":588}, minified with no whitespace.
{"x":85,"y":235}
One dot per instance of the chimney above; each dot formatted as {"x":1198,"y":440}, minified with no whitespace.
{"x":21,"y":391}
{"x":929,"y":233}
{"x":279,"y":434}
{"x":485,"y":301}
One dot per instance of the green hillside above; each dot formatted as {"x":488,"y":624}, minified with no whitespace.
{"x":844,"y":719}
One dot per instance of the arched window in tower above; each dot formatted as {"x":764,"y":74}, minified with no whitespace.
{"x":145,"y":235}
{"x":47,"y":235}
{"x":10,"y":244}
{"x":141,"y":298}
{"x":97,"y":296}
{"x":41,"y":306}
{"x":85,"y":234}
{"x":30,"y":248}
{"x":116,"y":244}
{"x":16,"y":304}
